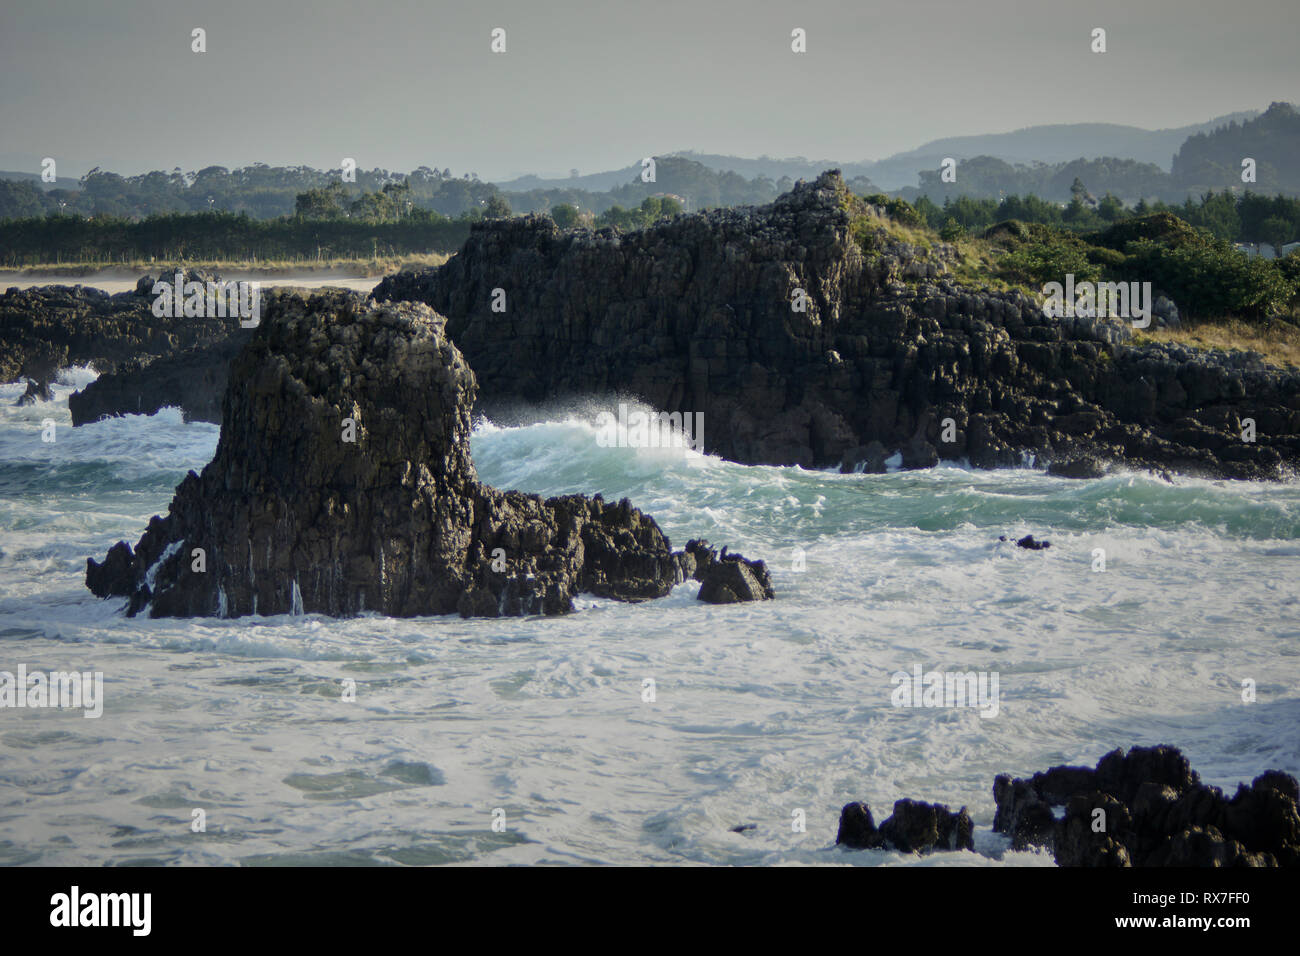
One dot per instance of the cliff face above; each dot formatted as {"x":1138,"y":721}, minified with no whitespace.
{"x":695,"y":315}
{"x":342,"y":482}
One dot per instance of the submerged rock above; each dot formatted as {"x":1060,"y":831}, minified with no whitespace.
{"x":342,"y":482}
{"x":1085,"y":466}
{"x":40,"y":367}
{"x":1149,"y":808}
{"x":1028,"y":542}
{"x":871,"y":457}
{"x":725,"y":578}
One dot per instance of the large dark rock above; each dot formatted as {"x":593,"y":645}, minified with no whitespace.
{"x":342,"y":482}
{"x":1149,"y":808}
{"x":694,"y":315}
{"x":857,"y":829}
{"x":913,"y":827}
{"x":63,"y":326}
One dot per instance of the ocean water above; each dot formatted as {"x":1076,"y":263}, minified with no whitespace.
{"x":762,"y":714}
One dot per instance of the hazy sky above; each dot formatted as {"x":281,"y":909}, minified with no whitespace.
{"x":403,"y":83}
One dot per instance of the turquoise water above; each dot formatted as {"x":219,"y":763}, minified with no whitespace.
{"x":759,"y":710}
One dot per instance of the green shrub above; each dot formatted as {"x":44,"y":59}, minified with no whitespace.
{"x":863,"y":231}
{"x":1036,"y":262}
{"x":901,"y":211}
{"x":1162,"y":227}
{"x":1110,"y":260}
{"x":565,"y":215}
{"x":1212,"y":278}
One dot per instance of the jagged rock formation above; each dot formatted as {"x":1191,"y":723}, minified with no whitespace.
{"x":39,"y":367}
{"x":913,"y":827}
{"x":38,"y":390}
{"x":1152,"y":810}
{"x":725,"y":578}
{"x":60,"y":326}
{"x":342,"y":482}
{"x":695,"y":315}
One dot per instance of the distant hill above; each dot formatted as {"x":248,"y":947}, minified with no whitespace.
{"x":794,"y":168}
{"x":592,"y":182}
{"x":63,"y":182}
{"x":1130,"y":162}
{"x":1205,"y":161}
{"x":1052,"y":144}
{"x":987,"y":177}
{"x":1057,"y":143}
{"x":697,"y":185}
{"x":1212,"y":159}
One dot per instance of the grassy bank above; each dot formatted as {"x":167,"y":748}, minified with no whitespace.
{"x":1021,"y":256}
{"x":1277,"y":341}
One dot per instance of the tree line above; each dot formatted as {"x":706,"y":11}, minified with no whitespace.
{"x":1232,"y":216}
{"x":222,"y":236}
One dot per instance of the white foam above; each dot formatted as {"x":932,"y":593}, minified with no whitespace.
{"x":758,"y":710}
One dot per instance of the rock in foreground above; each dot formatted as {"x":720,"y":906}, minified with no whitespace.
{"x":343,"y":483}
{"x":914,"y":827}
{"x":1149,"y":808}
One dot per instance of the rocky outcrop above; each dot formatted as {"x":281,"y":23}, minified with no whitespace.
{"x":725,"y":578}
{"x":1149,"y":808}
{"x":61,"y":326}
{"x":40,"y":367}
{"x":38,"y":390}
{"x":913,"y":827}
{"x":342,"y":482}
{"x":699,"y":314}
{"x":1143,"y":808}
{"x":193,"y":380}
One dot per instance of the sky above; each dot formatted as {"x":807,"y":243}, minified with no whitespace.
{"x":595,"y":86}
